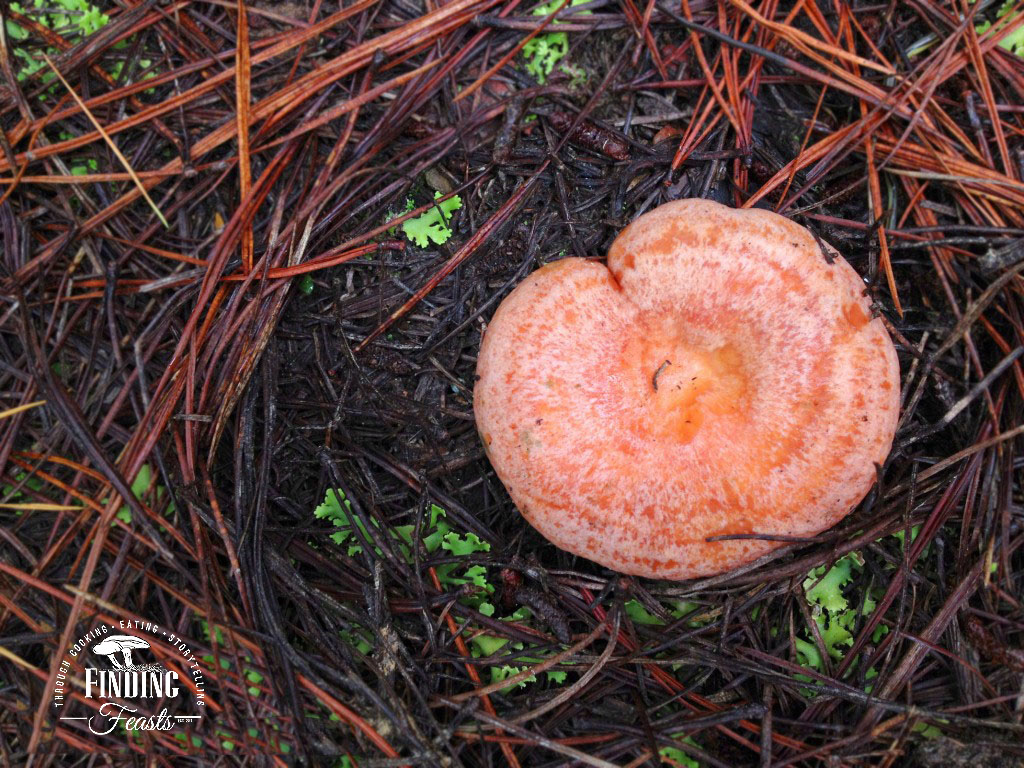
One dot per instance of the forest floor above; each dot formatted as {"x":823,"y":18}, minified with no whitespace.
{"x":246,"y":256}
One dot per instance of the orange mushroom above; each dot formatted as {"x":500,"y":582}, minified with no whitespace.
{"x":722,"y":375}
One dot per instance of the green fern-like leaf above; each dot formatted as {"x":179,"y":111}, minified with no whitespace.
{"x":545,"y":51}
{"x":432,"y":225}
{"x":826,"y":588}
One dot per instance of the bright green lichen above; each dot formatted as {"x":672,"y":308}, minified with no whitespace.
{"x":432,"y":225}
{"x":831,"y":611}
{"x":545,"y":51}
{"x":825,"y":588}
{"x":833,"y":615}
{"x":1013,"y":42}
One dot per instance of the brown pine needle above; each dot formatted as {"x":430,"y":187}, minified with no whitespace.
{"x":242,"y":91}
{"x":33,"y":506}
{"x":106,"y":138}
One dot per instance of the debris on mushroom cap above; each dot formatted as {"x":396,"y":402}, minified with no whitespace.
{"x":721,"y":376}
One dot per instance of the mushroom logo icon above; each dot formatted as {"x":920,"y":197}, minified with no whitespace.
{"x":123,"y":644}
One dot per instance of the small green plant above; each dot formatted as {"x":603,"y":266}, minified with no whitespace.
{"x":432,"y":224}
{"x":437,"y":536}
{"x":140,"y":486}
{"x":133,"y":735}
{"x":834,"y":616}
{"x":65,"y":17}
{"x":90,"y":166}
{"x":927,"y":730}
{"x":252,"y":677}
{"x":196,"y":741}
{"x":59,"y":15}
{"x":1014,"y":42}
{"x":545,"y":51}
{"x":830,"y":610}
{"x":677,"y":609}
{"x":676,"y":757}
{"x":836,"y":612}
{"x":483,"y":645}
{"x":79,"y":166}
{"x":337,"y":509}
{"x":144,"y":64}
{"x":21,"y":480}
{"x":901,"y":535}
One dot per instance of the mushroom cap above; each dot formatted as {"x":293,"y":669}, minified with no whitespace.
{"x":722,"y":375}
{"x":119,"y":643}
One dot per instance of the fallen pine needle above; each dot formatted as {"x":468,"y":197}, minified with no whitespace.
{"x":34,"y":506}
{"x":19,"y":408}
{"x":106,"y":138}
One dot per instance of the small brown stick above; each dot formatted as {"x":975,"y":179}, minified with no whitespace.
{"x":585,"y":678}
{"x":544,"y":607}
{"x":591,"y":136}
